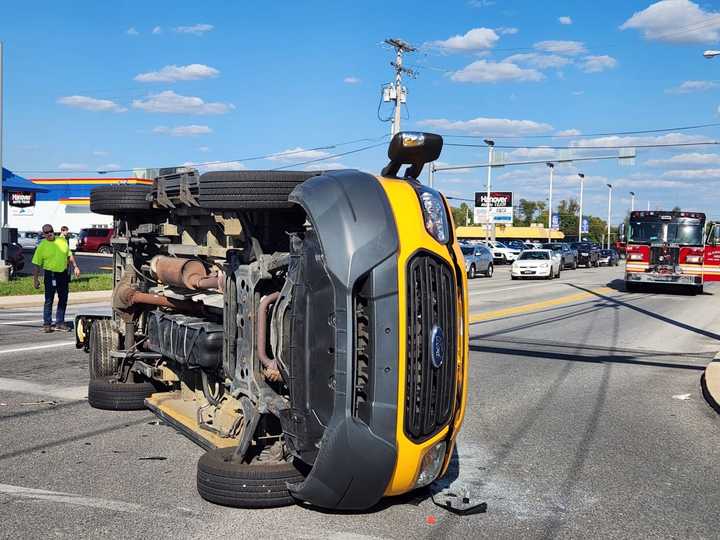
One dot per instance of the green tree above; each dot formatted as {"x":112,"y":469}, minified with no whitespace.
{"x":462,"y":215}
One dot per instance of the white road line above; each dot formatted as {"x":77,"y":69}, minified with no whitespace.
{"x":21,"y":322}
{"x":71,"y":498}
{"x":52,"y":345}
{"x":70,"y":393}
{"x":549,"y":283}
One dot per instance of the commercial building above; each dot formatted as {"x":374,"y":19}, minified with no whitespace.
{"x":508,"y":232}
{"x":66,"y":201}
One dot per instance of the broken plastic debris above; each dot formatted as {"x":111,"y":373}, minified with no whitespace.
{"x":431,"y":520}
{"x":153,"y":458}
{"x":464,"y":504}
{"x":682,"y":397}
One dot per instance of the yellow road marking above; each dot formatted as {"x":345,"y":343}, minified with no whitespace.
{"x":104,"y":267}
{"x":537,"y":306}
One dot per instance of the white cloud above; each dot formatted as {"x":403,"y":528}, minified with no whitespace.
{"x":204,"y":148}
{"x":482,"y":71}
{"x":351,"y":80}
{"x":565,"y":20}
{"x":568,"y":132}
{"x":676,"y":21}
{"x":481,"y":3}
{"x":578,"y":92}
{"x":298,"y":154}
{"x":650,"y":183}
{"x":174,"y":73}
{"x":687,"y":160}
{"x":195,"y":29}
{"x":170,"y":102}
{"x":615,"y":140}
{"x":507,"y":30}
{"x":183,"y":131}
{"x":596,"y":64}
{"x":530,"y":154}
{"x":326,"y":166}
{"x":488,"y":126}
{"x":540,"y":61}
{"x":110,"y":167}
{"x":569,"y":48}
{"x":474,"y":40}
{"x":91,"y":104}
{"x":131,"y":31}
{"x":217,"y":166}
{"x":72,"y":166}
{"x":100,"y":153}
{"x":157,"y":30}
{"x":695,"y":174}
{"x":688,"y":87}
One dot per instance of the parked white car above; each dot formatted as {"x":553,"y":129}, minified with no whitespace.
{"x":28,"y":239}
{"x":502,"y":253}
{"x":531,"y":263}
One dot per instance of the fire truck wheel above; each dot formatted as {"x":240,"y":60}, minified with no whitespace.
{"x":101,"y":364}
{"x":120,"y":199}
{"x":242,"y":485}
{"x":250,"y":189}
{"x":109,"y":394}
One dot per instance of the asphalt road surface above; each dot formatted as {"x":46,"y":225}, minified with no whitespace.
{"x":585,"y":420}
{"x":89,"y":264}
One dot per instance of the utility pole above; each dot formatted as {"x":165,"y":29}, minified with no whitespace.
{"x":632,"y":201}
{"x":609,"y":213}
{"x":648,"y":207}
{"x":582,"y":181}
{"x":396,"y":91}
{"x":491,"y":148}
{"x":551,"y":166}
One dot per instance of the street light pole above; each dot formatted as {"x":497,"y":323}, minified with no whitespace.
{"x":609,"y":213}
{"x":582,"y":181}
{"x":648,"y":207}
{"x":551,"y":166}
{"x":632,"y":201}
{"x":491,"y":148}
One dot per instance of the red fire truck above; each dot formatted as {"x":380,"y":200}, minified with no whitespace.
{"x":671,"y":248}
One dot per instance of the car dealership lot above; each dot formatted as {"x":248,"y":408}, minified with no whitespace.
{"x":584,"y":414}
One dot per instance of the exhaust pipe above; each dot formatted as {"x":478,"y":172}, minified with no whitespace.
{"x":188,"y":273}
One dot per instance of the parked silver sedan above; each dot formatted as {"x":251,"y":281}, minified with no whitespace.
{"x":478,"y":260}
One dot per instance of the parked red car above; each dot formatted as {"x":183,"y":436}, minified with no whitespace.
{"x":95,"y":239}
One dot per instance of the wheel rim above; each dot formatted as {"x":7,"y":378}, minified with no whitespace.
{"x":490,"y":270}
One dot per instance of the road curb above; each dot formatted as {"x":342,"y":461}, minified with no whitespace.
{"x":710,"y":383}
{"x":32,"y":300}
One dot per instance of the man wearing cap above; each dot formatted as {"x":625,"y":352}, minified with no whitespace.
{"x":52,"y":255}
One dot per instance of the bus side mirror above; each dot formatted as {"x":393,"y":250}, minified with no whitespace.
{"x":621,"y":232}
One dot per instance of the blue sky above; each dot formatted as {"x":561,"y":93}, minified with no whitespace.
{"x":100,"y":85}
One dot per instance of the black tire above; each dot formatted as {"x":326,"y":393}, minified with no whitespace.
{"x":107,"y":250}
{"x":249,"y":189}
{"x":121,"y":199}
{"x":109,"y":394}
{"x":102,"y":341}
{"x":490,"y":270}
{"x":472,"y":273}
{"x":575,"y":265}
{"x":242,"y":485}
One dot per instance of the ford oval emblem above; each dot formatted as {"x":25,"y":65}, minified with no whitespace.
{"x":437,"y":346}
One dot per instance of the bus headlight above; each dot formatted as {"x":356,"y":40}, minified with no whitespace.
{"x":434,"y":215}
{"x":431,"y":464}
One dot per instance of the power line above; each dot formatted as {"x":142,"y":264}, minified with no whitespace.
{"x":584,"y":135}
{"x":330,"y":156}
{"x":707,"y":143}
{"x":250,"y":158}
